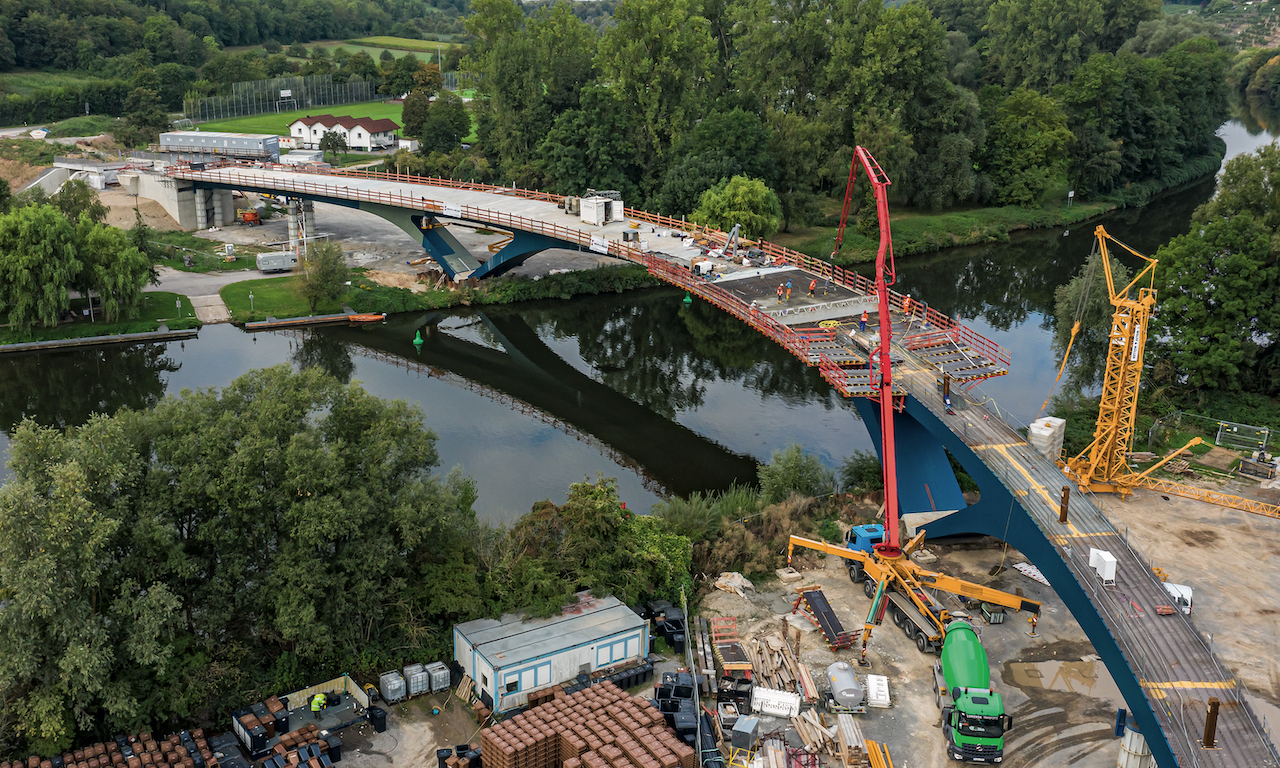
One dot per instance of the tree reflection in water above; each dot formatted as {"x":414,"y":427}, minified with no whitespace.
{"x":62,"y":389}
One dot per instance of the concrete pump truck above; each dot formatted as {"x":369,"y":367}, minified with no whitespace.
{"x":974,"y":720}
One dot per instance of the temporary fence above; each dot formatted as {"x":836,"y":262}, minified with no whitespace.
{"x":278,"y":94}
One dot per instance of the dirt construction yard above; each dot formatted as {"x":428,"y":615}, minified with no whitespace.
{"x":1063,"y":701}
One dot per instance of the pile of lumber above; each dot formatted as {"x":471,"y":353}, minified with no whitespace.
{"x":842,"y":739}
{"x":773,"y":663}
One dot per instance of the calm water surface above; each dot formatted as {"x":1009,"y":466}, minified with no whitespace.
{"x":667,"y":398}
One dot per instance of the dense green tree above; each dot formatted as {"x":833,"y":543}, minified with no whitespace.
{"x":968,"y":17}
{"x":361,"y":65}
{"x":1038,"y":43}
{"x":720,"y":146}
{"x":414,"y":113}
{"x":400,"y":76}
{"x":590,"y":147}
{"x":76,"y":198}
{"x":1250,"y":183}
{"x":1028,"y":142}
{"x":428,"y":79}
{"x":6,"y":198}
{"x":145,"y":116}
{"x":795,"y":152}
{"x":446,"y":125}
{"x":740,"y":200}
{"x":656,"y":58}
{"x":1155,"y":36}
{"x":1195,"y":86}
{"x":112,"y":268}
{"x":781,"y":51}
{"x":555,"y":551}
{"x":323,"y":275}
{"x":80,"y":629}
{"x":1219,"y":290}
{"x":38,"y":261}
{"x":1122,"y":18}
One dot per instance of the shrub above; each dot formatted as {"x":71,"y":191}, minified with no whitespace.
{"x":791,"y":470}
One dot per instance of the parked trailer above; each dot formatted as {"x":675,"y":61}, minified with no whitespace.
{"x":277,"y":262}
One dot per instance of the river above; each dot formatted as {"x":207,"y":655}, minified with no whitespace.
{"x":665,"y":397}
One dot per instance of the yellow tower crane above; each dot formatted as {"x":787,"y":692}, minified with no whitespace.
{"x":1103,"y":465}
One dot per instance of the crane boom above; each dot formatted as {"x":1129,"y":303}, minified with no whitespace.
{"x":881,"y":370}
{"x":911,"y":577}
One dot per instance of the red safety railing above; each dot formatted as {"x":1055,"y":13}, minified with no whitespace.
{"x":797,"y":341}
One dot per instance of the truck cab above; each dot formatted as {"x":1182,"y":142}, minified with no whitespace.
{"x":863,"y":538}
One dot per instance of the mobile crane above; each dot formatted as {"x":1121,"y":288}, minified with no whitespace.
{"x":895,"y":583}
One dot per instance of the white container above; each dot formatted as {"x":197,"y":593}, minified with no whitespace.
{"x":410,"y":670}
{"x":766,"y":701}
{"x":1093,"y":557}
{"x":439,"y":675}
{"x":878,"y":691}
{"x":391,"y":686}
{"x":1106,"y":567}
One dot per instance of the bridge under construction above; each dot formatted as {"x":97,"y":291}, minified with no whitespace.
{"x":1189,"y":706}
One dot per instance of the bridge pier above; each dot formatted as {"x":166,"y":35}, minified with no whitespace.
{"x":291,"y":213}
{"x":308,"y":222}
{"x":999,"y":514}
{"x":202,"y":208}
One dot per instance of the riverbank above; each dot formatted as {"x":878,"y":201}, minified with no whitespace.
{"x":277,"y":297}
{"x":916,"y":231}
{"x":159,"y":308}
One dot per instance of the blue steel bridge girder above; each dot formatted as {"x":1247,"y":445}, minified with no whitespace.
{"x":1000,"y":515}
{"x":428,"y":229}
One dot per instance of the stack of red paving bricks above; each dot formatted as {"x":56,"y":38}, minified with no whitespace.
{"x":597,"y":727}
{"x":147,"y":753}
{"x":291,"y":742}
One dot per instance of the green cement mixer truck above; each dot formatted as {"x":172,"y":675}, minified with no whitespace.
{"x":973,"y":718}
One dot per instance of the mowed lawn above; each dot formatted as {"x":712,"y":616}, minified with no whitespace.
{"x":278,"y":122}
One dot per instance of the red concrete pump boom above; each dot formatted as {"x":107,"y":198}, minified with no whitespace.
{"x":881,"y":371}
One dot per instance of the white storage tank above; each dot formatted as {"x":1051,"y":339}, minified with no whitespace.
{"x":392,"y":687}
{"x":439,"y":675}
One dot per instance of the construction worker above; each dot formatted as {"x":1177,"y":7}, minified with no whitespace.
{"x":781,"y":288}
{"x":317,"y":704}
{"x":862,"y":322}
{"x":813,"y":286}
{"x":788,"y":290}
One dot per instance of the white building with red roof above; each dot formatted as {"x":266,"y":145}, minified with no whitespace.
{"x":360,"y":132}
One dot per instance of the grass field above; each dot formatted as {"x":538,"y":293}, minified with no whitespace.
{"x":404,"y":44}
{"x":278,"y":122}
{"x":157,"y":307}
{"x":29,"y":151}
{"x":272,"y":296}
{"x":28,"y":81}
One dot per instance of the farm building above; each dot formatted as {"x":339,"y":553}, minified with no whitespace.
{"x":360,"y":132}
{"x":510,"y":657}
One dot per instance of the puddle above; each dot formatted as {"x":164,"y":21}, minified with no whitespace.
{"x":1089,"y":678}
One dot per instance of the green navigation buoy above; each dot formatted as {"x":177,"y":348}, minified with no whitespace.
{"x":417,"y":340}
{"x":687,"y":298}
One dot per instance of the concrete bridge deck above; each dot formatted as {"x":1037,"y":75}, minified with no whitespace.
{"x":1161,"y":663}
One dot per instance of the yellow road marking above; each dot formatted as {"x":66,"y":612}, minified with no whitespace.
{"x":1086,"y":535}
{"x":1188,"y":684}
